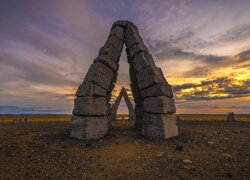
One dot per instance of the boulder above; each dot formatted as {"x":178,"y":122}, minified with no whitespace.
{"x":132,"y":36}
{"x":230,"y":117}
{"x":113,"y":44}
{"x":147,"y":78}
{"x":108,"y":61}
{"x":89,"y":127}
{"x":120,"y":23}
{"x":159,"y":105}
{"x":163,"y":89}
{"x":90,"y":89}
{"x":100,"y":74}
{"x":112,"y":51}
{"x":135,"y":49}
{"x":90,"y":106}
{"x":141,"y":60}
{"x":117,"y":31}
{"x":159,"y":126}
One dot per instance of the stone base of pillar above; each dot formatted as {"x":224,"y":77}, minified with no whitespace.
{"x":159,"y":126}
{"x":89,"y":127}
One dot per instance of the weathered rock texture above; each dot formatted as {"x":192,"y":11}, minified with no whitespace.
{"x":230,"y":117}
{"x":154,"y":103}
{"x":116,"y":104}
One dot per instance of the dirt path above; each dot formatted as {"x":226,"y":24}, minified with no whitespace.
{"x":45,"y":150}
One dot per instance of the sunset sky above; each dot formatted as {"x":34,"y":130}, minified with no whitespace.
{"x":202,"y":46}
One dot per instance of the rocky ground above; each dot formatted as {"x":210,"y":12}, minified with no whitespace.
{"x":202,"y":151}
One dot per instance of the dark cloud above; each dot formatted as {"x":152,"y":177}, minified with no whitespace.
{"x":243,"y":56}
{"x":163,"y":50}
{"x":237,"y":33}
{"x":34,"y":71}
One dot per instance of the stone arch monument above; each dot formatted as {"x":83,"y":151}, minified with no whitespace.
{"x":116,"y":104}
{"x":154,"y":103}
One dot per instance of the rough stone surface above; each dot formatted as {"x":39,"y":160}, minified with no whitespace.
{"x":113,"y":52}
{"x":161,"y":126}
{"x":159,"y":105}
{"x":139,"y":101}
{"x":117,"y":31}
{"x":90,"y":106}
{"x":141,"y":60}
{"x":107,"y":60}
{"x":132,"y":36}
{"x":163,"y":89}
{"x":230,"y":117}
{"x":136,"y":49}
{"x":90,"y":89}
{"x":89,"y":127}
{"x":100,"y":74}
{"x":147,"y":78}
{"x":139,"y":111}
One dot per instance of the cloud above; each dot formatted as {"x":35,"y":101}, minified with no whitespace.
{"x":243,"y":56}
{"x":46,"y":49}
{"x":237,"y":33}
{"x":220,"y":88}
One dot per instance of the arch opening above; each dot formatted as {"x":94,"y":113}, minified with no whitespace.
{"x":114,"y":109}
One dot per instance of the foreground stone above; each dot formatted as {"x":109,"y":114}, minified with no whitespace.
{"x":230,"y":117}
{"x":159,"y":105}
{"x":89,"y":127}
{"x":160,"y":126}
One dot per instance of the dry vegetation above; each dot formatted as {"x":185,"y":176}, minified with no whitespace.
{"x":8,"y":118}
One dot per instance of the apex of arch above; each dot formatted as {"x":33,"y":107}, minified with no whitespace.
{"x":123,"y":23}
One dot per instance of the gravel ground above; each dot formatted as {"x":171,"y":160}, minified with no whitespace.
{"x":206,"y":150}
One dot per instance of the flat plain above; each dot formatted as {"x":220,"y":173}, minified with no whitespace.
{"x":9,"y":118}
{"x":35,"y":149}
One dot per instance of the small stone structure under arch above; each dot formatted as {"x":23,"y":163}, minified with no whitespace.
{"x":154,"y":103}
{"x":114,"y":108}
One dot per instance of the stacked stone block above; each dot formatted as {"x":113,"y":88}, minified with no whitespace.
{"x":92,"y":111}
{"x":153,"y":95}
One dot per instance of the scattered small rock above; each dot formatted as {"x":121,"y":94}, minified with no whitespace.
{"x":229,"y":175}
{"x":210,"y":142}
{"x":187,"y":161}
{"x":179,"y":147}
{"x":226,"y":155}
{"x":88,"y":145}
